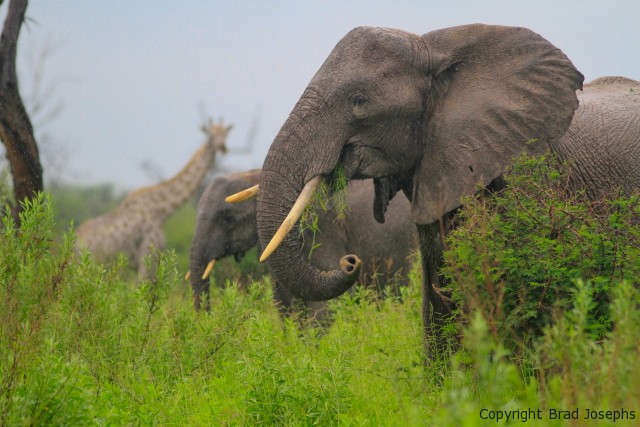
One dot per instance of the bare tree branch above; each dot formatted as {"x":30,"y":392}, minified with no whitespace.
{"x":16,"y":130}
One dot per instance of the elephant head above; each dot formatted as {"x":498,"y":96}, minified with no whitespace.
{"x":222,"y":229}
{"x":434,"y":116}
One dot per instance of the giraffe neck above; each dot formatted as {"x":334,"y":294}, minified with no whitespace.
{"x":163,"y":199}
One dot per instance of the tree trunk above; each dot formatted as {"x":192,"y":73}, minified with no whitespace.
{"x":16,"y":131}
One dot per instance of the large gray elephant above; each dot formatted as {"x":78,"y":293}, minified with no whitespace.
{"x":224,"y":229}
{"x":602,"y":145}
{"x":435,"y":116}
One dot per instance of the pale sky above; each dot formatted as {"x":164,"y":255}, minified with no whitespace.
{"x":130,"y":74}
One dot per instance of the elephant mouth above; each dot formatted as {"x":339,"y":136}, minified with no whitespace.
{"x":352,"y":160}
{"x":211,"y":265}
{"x":354,"y":165}
{"x":365,"y":161}
{"x":384,"y":190}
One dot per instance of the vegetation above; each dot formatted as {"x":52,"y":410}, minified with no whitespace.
{"x":76,"y":204}
{"x":80,"y":345}
{"x":331,"y":195}
{"x":517,"y":254}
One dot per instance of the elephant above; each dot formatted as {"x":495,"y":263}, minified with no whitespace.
{"x":436,"y":116}
{"x":602,"y":145}
{"x":224,"y":229}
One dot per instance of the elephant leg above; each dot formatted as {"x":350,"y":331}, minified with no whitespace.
{"x":283,"y":300}
{"x":436,"y":307}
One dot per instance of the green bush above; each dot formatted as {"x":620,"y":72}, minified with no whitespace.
{"x":567,"y":370}
{"x":6,"y":192}
{"x":516,"y":255}
{"x":37,"y":387}
{"x":81,"y":346}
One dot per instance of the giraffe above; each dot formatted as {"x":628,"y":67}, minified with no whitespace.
{"x":135,"y":226}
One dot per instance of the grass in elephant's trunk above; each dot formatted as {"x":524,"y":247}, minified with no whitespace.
{"x":330,"y":194}
{"x":289,"y":265}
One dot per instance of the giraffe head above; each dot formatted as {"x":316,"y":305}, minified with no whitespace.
{"x":216,"y":134}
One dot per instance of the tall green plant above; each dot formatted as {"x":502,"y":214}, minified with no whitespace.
{"x":35,"y":388}
{"x":517,"y":254}
{"x":590,"y":380}
{"x":79,"y":345}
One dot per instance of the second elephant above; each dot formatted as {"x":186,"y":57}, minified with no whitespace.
{"x":224,"y":229}
{"x":602,"y":145}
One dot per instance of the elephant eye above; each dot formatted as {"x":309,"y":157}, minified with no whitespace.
{"x":358,"y":106}
{"x":358,"y":100}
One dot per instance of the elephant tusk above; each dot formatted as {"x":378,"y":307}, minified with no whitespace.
{"x":294,"y":215}
{"x":207,"y":271}
{"x":187,"y":276}
{"x":243,"y":195}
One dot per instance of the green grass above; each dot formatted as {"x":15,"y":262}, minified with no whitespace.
{"x":82,"y":345}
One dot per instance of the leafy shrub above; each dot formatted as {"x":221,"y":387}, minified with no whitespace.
{"x":517,"y":255}
{"x":35,"y":386}
{"x":6,"y":192}
{"x":568,"y":370}
{"x":578,"y":370}
{"x":81,"y":346}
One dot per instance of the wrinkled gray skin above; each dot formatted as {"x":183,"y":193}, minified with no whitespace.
{"x":225,"y":229}
{"x":434,"y":116}
{"x":222,"y":229}
{"x":602,"y":145}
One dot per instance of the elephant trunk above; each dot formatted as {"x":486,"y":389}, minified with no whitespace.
{"x":285,"y":175}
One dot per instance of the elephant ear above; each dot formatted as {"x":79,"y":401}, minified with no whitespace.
{"x":497,"y":92}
